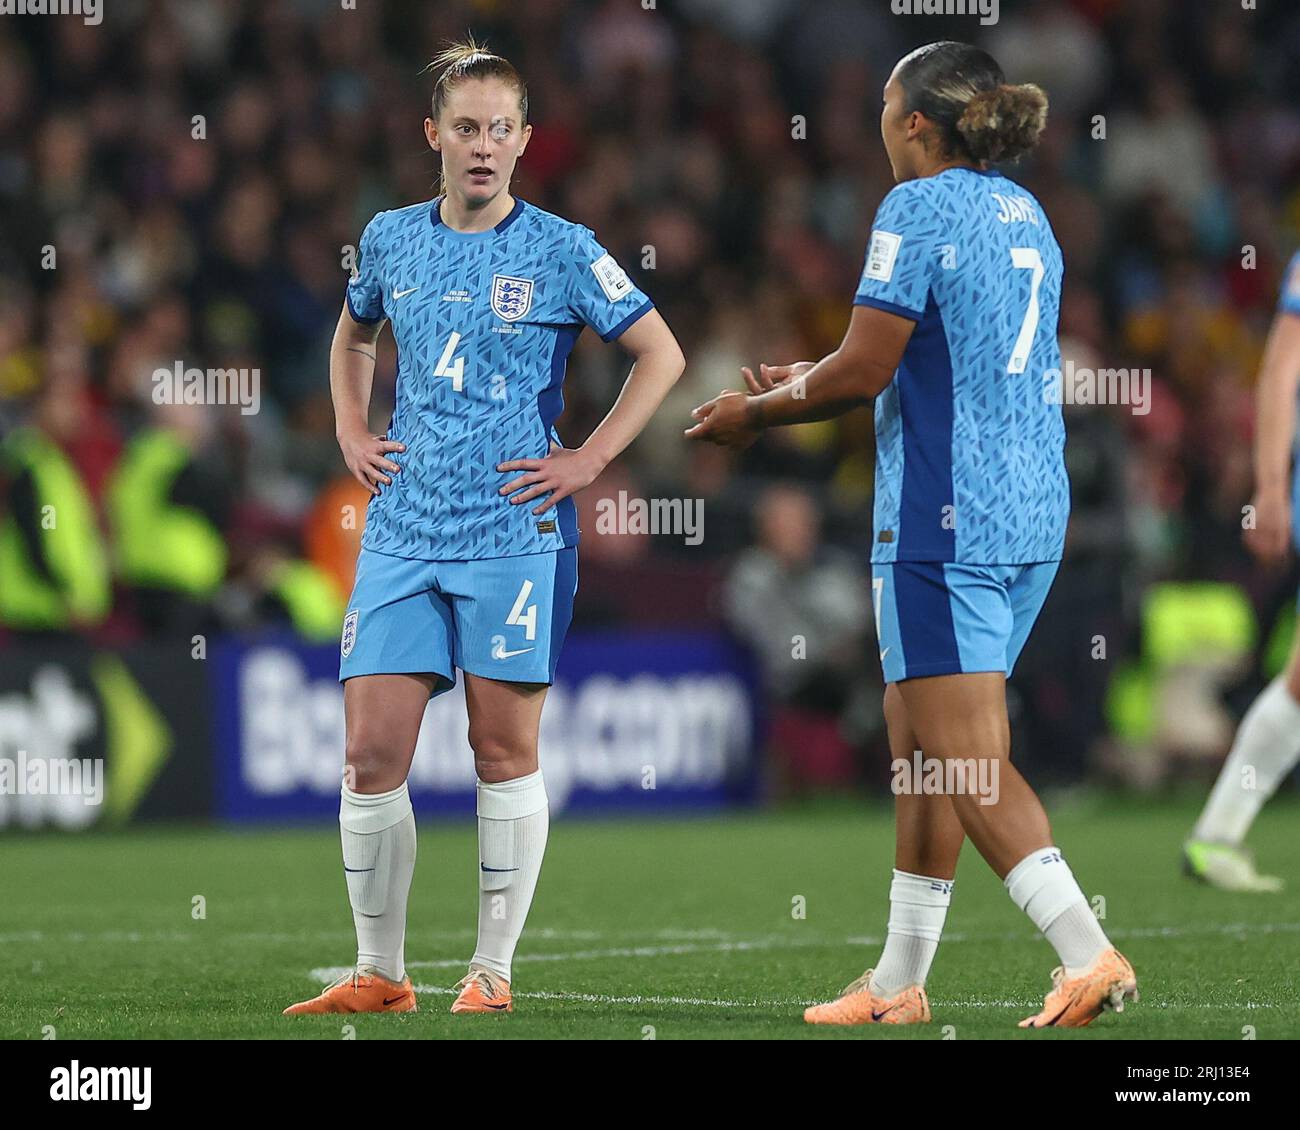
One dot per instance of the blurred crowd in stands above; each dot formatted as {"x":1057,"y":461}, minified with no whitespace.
{"x":182,"y":183}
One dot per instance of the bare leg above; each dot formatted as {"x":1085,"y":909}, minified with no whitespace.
{"x":965,"y":716}
{"x":929,"y":839}
{"x":928,"y":834}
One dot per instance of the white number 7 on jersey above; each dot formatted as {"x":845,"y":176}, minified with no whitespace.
{"x":1026,"y":259}
{"x":445,"y":368}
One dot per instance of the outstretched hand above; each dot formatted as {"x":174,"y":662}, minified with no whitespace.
{"x":730,"y":420}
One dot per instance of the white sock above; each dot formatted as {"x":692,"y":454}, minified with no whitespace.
{"x":1264,"y":751}
{"x":918,"y":904}
{"x":513,"y":820}
{"x":1044,"y":887}
{"x":378,"y":832}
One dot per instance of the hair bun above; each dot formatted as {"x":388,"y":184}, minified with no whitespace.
{"x":1005,"y":122}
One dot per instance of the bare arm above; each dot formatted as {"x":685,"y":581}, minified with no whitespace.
{"x":1275,"y":416}
{"x":858,"y":370}
{"x":352,"y":371}
{"x":657,"y":365}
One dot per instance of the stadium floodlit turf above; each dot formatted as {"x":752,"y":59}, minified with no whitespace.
{"x":674,"y":929}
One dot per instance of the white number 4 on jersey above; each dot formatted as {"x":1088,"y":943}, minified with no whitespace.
{"x":453,"y":369}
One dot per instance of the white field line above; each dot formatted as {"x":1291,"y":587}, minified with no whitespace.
{"x":721,"y":937}
{"x":758,"y":1002}
{"x":325,"y":975}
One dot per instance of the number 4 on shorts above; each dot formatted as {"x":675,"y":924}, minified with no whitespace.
{"x":518,"y":616}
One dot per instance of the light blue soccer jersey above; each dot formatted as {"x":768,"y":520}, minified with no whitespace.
{"x":1289,"y":303}
{"x":484,"y":323}
{"x":970,"y":441}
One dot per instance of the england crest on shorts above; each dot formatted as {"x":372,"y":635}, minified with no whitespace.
{"x":349,"y":632}
{"x":511,"y":298}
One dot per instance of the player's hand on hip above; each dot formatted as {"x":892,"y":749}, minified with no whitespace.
{"x":1270,"y":537}
{"x":561,"y":473}
{"x":727,"y":420}
{"x":769,"y":376}
{"x":366,"y":457}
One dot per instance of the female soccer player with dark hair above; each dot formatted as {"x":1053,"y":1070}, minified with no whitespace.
{"x":954,"y":333}
{"x":469,"y":555}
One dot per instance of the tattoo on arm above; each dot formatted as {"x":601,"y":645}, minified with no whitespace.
{"x":363,"y":352}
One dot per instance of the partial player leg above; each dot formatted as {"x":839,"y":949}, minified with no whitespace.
{"x":962,"y":717}
{"x":1265,"y":750}
{"x":377,"y":827}
{"x":513,"y":822}
{"x":929,"y":839}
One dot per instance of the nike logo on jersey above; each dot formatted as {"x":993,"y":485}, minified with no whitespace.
{"x":403,"y":293}
{"x":884,"y":653}
{"x":499,"y":652}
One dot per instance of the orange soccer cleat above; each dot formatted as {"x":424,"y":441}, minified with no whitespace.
{"x":481,"y":990}
{"x":857,"y":1005}
{"x":1075,"y":1002}
{"x":362,"y":990}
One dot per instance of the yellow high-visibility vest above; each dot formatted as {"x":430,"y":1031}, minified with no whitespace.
{"x":157,"y":544}
{"x":77,"y":591}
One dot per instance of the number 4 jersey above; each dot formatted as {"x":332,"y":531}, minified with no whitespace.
{"x":484,"y":323}
{"x":969,"y":436}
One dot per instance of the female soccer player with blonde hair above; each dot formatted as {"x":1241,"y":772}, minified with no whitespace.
{"x":469,"y":557}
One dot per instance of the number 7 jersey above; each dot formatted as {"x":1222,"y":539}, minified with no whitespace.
{"x":970,"y":441}
{"x":484,"y":322}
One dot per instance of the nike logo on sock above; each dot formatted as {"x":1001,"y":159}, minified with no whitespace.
{"x":483,"y":866}
{"x":356,"y":870}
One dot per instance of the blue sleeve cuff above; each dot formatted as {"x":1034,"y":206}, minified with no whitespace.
{"x":636,"y":315}
{"x":888,"y":307}
{"x":347,"y":297}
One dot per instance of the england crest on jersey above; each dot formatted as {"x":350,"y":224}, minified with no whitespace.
{"x":349,"y":632}
{"x":511,"y":298}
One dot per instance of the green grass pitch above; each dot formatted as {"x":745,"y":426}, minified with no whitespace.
{"x":676,"y":929}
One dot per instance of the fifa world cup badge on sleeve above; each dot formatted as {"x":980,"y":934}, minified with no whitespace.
{"x":880,"y":259}
{"x":511,"y":297}
{"x":349,"y":632}
{"x":612,"y":278}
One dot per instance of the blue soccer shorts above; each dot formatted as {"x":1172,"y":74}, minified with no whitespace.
{"x":941,"y":618}
{"x":501,"y":618}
